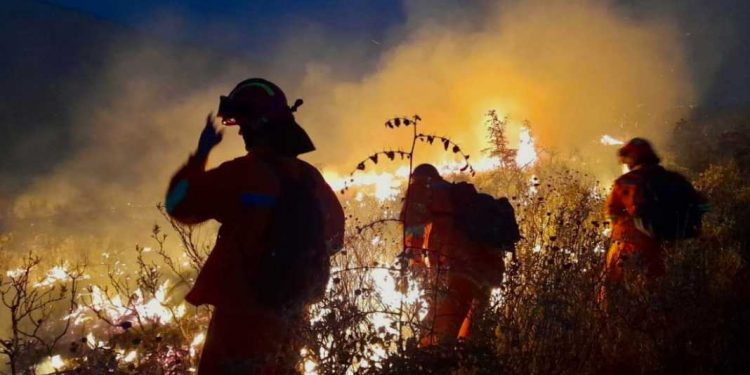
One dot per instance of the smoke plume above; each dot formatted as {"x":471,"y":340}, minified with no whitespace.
{"x":575,"y":70}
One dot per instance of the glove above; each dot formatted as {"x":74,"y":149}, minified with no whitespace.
{"x":210,"y":137}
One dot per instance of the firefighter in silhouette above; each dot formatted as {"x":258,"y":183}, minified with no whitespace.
{"x":280,"y":222}
{"x":460,"y":270}
{"x":648,"y":205}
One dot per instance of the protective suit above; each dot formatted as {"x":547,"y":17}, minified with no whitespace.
{"x":240,"y":195}
{"x":460,"y":272}
{"x":629,"y":237}
{"x":245,"y":336}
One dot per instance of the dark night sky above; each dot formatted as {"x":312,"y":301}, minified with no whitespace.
{"x":245,"y":26}
{"x":248,"y":28}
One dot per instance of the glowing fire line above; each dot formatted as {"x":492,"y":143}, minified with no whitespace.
{"x":386,"y":185}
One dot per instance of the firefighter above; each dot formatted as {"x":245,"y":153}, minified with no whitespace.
{"x":649,"y":208}
{"x":246,"y":336}
{"x":630,"y":238}
{"x":459,"y":270}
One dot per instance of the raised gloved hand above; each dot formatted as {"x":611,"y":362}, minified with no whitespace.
{"x":210,"y":137}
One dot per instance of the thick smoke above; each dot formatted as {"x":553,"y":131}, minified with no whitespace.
{"x":574,"y":70}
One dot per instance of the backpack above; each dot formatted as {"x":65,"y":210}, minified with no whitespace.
{"x":296,"y":269}
{"x":485,"y":219}
{"x":671,"y":209}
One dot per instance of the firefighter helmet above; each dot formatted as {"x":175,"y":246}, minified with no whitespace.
{"x":640,"y":150}
{"x":260,"y":99}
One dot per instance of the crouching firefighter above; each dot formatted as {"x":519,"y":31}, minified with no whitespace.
{"x":280,"y":222}
{"x":458,"y":236}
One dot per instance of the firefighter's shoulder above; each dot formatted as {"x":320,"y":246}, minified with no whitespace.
{"x":630,"y":178}
{"x":310,"y":170}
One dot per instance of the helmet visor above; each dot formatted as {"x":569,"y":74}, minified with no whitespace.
{"x":228,"y":111}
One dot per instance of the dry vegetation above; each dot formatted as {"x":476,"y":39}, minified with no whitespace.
{"x":547,"y":318}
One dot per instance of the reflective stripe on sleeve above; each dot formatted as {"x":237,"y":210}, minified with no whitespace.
{"x":176,"y":195}
{"x":257,"y":200}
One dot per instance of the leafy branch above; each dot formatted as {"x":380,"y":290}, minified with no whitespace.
{"x":448,"y":144}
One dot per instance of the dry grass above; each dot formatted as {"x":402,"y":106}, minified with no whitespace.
{"x":546,"y":319}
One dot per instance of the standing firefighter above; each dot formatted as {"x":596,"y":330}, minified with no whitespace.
{"x":458,"y":235}
{"x":280,"y":222}
{"x":647,"y":206}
